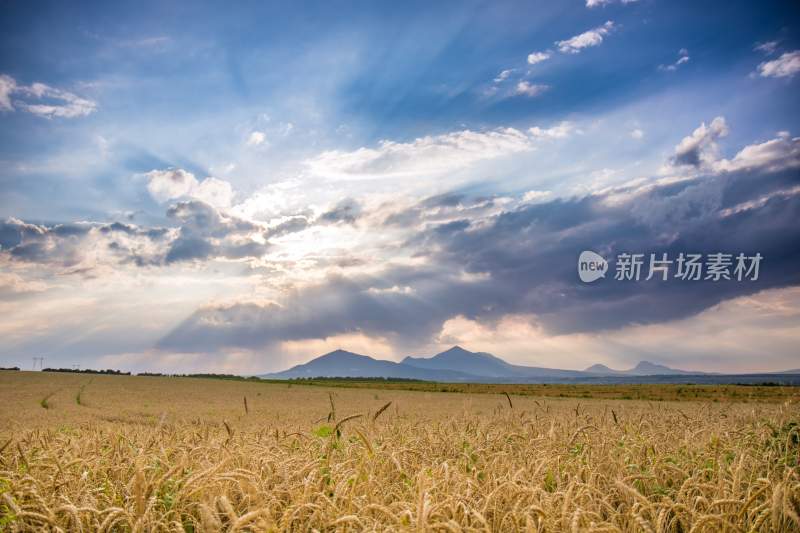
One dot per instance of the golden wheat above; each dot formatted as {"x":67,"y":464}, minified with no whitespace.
{"x":187,"y":457}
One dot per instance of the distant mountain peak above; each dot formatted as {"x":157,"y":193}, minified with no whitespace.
{"x":459,"y":352}
{"x":341,"y":363}
{"x":602,"y":369}
{"x":455,"y":350}
{"x":457,"y":364}
{"x":340,"y":353}
{"x":642,"y":368}
{"x":647,"y":366}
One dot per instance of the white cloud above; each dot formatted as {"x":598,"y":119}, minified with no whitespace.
{"x":538,"y":57}
{"x":164,"y":185}
{"x":7,"y":86}
{"x":394,"y":289}
{"x":423,"y":156}
{"x":700,"y":148}
{"x":637,"y":134}
{"x":777,"y":154}
{"x":532,"y":197}
{"x":527,"y":88}
{"x":503,"y":76}
{"x":600,"y":3}
{"x":59,"y":103}
{"x":683,"y":57}
{"x":760,"y":202}
{"x":216,"y":192}
{"x":14,"y":284}
{"x":559,"y":131}
{"x":587,"y":39}
{"x":787,"y":65}
{"x":170,"y":184}
{"x":256,"y":138}
{"x":755,"y":333}
{"x":768,"y":47}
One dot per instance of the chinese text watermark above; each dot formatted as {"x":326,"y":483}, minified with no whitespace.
{"x":686,"y":266}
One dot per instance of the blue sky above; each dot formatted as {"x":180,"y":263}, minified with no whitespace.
{"x":255,"y":156}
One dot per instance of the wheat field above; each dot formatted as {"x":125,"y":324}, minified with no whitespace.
{"x":115,"y":453}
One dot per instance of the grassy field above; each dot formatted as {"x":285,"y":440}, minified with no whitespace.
{"x":656,"y":392}
{"x":121,"y":453}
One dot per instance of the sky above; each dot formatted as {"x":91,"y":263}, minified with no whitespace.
{"x":211,"y":187}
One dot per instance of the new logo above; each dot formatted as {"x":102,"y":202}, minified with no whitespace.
{"x":591,"y":266}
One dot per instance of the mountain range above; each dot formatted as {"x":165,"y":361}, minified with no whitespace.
{"x":460,"y":365}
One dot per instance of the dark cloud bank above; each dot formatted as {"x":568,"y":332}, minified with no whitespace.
{"x":481,"y":264}
{"x":524,"y":261}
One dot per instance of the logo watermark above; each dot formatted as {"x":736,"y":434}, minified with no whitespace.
{"x":686,"y":267}
{"x":591,"y":266}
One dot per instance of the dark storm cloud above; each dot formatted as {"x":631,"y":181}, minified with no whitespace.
{"x":205,"y":232}
{"x":65,"y":245}
{"x":524,"y":261}
{"x":534,"y":252}
{"x":340,"y":305}
{"x":348,"y":210}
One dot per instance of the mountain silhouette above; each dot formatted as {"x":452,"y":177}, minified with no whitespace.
{"x":643,"y":368}
{"x":458,"y":365}
{"x":341,"y":363}
{"x":485,"y":365}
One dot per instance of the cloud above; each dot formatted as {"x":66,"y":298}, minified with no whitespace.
{"x":81,"y":246}
{"x":203,"y":233}
{"x":637,"y":134}
{"x":256,"y":138}
{"x":786,"y":66}
{"x":42,"y":100}
{"x":719,"y":337}
{"x":504,"y":75}
{"x":206,"y":233}
{"x":602,"y":3}
{"x":456,"y":254}
{"x":7,"y":86}
{"x":445,"y":208}
{"x":561,"y":130}
{"x":11,"y":283}
{"x":700,"y":148}
{"x":337,"y":306}
{"x":348,"y":210}
{"x":486,"y":265}
{"x":164,"y":185}
{"x":767,"y":47}
{"x":531,"y":197}
{"x":527,"y":88}
{"x":774,"y":155}
{"x":174,"y":183}
{"x":683,"y":57}
{"x":587,"y":39}
{"x":424,"y":156}
{"x":538,"y":57}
